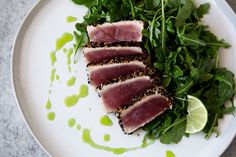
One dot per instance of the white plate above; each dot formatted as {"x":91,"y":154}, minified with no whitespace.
{"x":31,"y":72}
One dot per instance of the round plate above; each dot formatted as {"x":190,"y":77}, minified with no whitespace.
{"x":31,"y":69}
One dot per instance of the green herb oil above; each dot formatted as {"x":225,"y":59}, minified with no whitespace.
{"x":69,"y":54}
{"x":64,"y":50}
{"x":53,"y":58}
{"x":87,"y":139}
{"x":78,"y":127}
{"x":53,"y":73}
{"x":71,"y":101}
{"x":63,"y":40}
{"x":71,"y":19}
{"x":48,"y":105}
{"x":51,"y":116}
{"x":106,"y":137}
{"x":71,"y":122}
{"x":71,"y":81}
{"x":83,"y":91}
{"x":106,"y":121}
{"x":57,"y":77}
{"x":170,"y":154}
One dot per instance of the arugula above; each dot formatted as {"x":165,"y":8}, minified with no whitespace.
{"x":182,"y":49}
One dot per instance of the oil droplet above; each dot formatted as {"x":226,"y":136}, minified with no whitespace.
{"x":69,"y":54}
{"x":106,"y":137}
{"x":71,"y":122}
{"x":71,"y":81}
{"x":53,"y":73}
{"x":106,"y":121}
{"x":86,"y":137}
{"x":48,"y":105}
{"x":78,"y":127}
{"x":53,"y":58}
{"x":71,"y":19}
{"x":63,"y":40}
{"x":57,"y":77}
{"x":51,"y":116}
{"x":64,"y":50}
{"x":169,"y":153}
{"x":83,"y":91}
{"x":71,"y":101}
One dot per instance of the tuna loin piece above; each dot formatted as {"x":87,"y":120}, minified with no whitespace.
{"x":115,"y":95}
{"x":102,"y":73}
{"x":144,"y":110}
{"x":98,"y":54}
{"x":116,"y":32}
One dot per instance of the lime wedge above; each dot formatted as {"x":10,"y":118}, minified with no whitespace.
{"x":197,"y":115}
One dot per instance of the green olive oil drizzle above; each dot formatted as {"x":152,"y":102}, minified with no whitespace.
{"x":71,"y":122}
{"x":49,"y":105}
{"x":63,"y":40}
{"x":53,"y":58}
{"x":106,"y":121}
{"x":87,"y":139}
{"x":53,"y":73}
{"x":169,"y":153}
{"x":60,"y":43}
{"x":78,"y":127}
{"x":106,"y":137}
{"x":71,"y":19}
{"x":71,"y":81}
{"x":69,"y":54}
{"x":57,"y":77}
{"x":51,"y":116}
{"x":64,"y":50}
{"x":72,"y":100}
{"x":83,"y":91}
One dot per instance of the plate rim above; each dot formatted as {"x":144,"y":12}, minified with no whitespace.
{"x":13,"y":77}
{"x":224,"y":7}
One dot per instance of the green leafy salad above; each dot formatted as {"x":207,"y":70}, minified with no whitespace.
{"x":182,"y":49}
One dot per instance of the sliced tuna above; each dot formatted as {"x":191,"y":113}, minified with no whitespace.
{"x":102,"y":73}
{"x":98,"y":54}
{"x":116,"y":94}
{"x":141,"y":58}
{"x":116,"y":44}
{"x":144,"y":109}
{"x":107,"y":69}
{"x":116,"y":32}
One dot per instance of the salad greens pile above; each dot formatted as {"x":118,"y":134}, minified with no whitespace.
{"x":182,"y":49}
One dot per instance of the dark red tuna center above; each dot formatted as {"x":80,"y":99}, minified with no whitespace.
{"x":116,"y":96}
{"x":145,"y":112}
{"x":102,"y":75}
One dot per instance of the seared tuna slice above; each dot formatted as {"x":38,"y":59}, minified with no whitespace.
{"x":118,"y":92}
{"x":107,"y":69}
{"x":116,"y":44}
{"x":102,"y":73}
{"x":144,"y":109}
{"x":98,"y":54}
{"x":115,"y":32}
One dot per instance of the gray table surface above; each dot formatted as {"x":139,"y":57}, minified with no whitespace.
{"x":15,"y":139}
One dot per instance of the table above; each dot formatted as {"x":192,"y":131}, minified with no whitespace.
{"x":15,"y":139}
